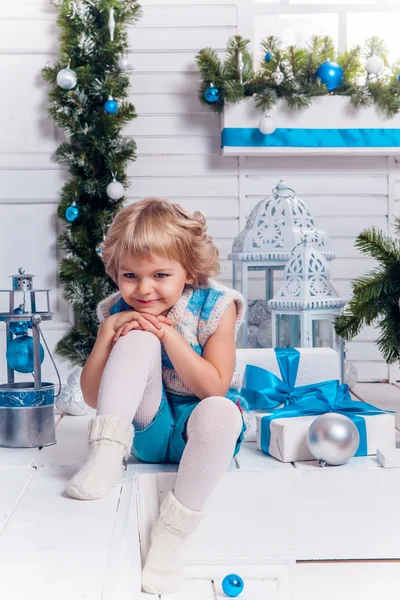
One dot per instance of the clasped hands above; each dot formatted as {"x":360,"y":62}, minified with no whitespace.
{"x":128,"y":320}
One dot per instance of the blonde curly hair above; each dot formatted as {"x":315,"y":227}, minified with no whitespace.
{"x":158,"y":226}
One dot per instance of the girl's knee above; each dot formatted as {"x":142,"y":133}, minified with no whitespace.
{"x":139,"y":339}
{"x":216,"y":412}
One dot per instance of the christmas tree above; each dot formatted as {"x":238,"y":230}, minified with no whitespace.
{"x":376,"y":295}
{"x":88,"y":101}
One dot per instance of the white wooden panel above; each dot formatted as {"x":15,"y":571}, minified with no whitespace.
{"x":195,"y":589}
{"x":333,"y":580}
{"x":27,"y":127}
{"x":28,"y":36}
{"x":177,"y":166}
{"x":299,"y":165}
{"x":188,"y":16}
{"x":178,"y":145}
{"x":209,"y":206}
{"x":174,"y":125}
{"x":13,"y":483}
{"x":184,"y":60}
{"x":318,"y":184}
{"x":384,"y":396}
{"x":172,"y":104}
{"x":372,"y":371}
{"x":167,"y":83}
{"x":315,"y":491}
{"x":175,"y":38}
{"x":33,"y":186}
{"x":184,"y":186}
{"x":350,"y":226}
{"x":363,"y":351}
{"x":46,"y":533}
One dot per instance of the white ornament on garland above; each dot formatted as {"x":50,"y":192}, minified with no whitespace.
{"x":111,"y":24}
{"x":374,"y":65}
{"x":70,"y":400}
{"x":67,"y":79}
{"x":115,"y":190}
{"x":240,"y":67}
{"x":277,"y":76}
{"x":267,"y":125}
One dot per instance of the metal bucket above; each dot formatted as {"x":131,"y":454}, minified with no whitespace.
{"x":29,"y":426}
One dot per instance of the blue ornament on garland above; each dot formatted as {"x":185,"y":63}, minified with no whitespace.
{"x":20,"y":354}
{"x":111,"y":106}
{"x":232,"y":585}
{"x":211,"y":94}
{"x":72,"y":212}
{"x":19,"y":327}
{"x":268,"y":57}
{"x":331,"y":74}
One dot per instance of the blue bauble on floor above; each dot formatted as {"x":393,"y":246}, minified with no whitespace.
{"x":232,"y":585}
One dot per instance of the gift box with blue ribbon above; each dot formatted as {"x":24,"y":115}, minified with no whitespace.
{"x":288,"y":410}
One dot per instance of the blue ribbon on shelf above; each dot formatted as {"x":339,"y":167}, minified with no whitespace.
{"x":311,"y":138}
{"x":265,"y":391}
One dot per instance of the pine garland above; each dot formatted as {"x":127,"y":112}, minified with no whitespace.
{"x":95,"y":150}
{"x":376,"y":295}
{"x":300,"y":84}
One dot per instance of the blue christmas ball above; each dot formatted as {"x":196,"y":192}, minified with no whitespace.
{"x":232,"y":585}
{"x":331,"y":74}
{"x":72,"y":213}
{"x":111,"y":106}
{"x":19,"y":327}
{"x":268,"y":57}
{"x":398,"y":77}
{"x":20,"y":354}
{"x":211,"y":94}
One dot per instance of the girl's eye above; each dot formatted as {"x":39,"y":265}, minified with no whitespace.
{"x":162,"y":275}
{"x":129,"y":275}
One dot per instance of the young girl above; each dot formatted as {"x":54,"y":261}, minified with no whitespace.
{"x":162,"y":372}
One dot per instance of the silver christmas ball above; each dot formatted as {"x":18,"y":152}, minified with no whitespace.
{"x":267,"y":125}
{"x":67,"y":79}
{"x":70,"y":399}
{"x":350,"y":374}
{"x":374,"y":65}
{"x":124,"y":64}
{"x":277,"y":76}
{"x":115,"y":190}
{"x":36,"y":319}
{"x":333,"y":439}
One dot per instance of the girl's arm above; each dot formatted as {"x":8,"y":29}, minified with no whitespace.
{"x":94,"y":367}
{"x":210,"y":374}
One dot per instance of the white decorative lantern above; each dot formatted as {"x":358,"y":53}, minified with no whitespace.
{"x":307,"y":303}
{"x":275,"y":226}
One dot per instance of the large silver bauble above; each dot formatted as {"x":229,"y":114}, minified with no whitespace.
{"x":277,"y":76}
{"x":70,"y":400}
{"x":67,"y":79}
{"x":350,"y":374}
{"x":333,"y":439}
{"x":115,"y":190}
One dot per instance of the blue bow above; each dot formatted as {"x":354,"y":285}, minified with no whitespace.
{"x":265,"y":391}
{"x":333,"y":399}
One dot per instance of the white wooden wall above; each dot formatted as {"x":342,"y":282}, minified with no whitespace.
{"x":178,"y":153}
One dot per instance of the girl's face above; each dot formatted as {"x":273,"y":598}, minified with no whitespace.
{"x":151,"y":285}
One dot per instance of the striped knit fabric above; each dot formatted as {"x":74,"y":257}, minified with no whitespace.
{"x":196,"y":316}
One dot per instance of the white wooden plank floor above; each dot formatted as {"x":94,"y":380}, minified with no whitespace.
{"x":53,"y":547}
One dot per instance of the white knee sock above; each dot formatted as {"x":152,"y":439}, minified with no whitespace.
{"x":163,"y":570}
{"x":110,"y":439}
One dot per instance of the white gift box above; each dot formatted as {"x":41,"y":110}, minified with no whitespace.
{"x":288,"y":442}
{"x":316,"y":365}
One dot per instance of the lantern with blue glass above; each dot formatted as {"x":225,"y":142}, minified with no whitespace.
{"x":26,"y":407}
{"x":305,"y":307}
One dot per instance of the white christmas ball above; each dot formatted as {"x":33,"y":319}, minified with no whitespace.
{"x":115,"y":190}
{"x":67,"y":79}
{"x":267,"y":125}
{"x":374,"y":65}
{"x":124,"y":64}
{"x":277,"y":77}
{"x":350,"y":374}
